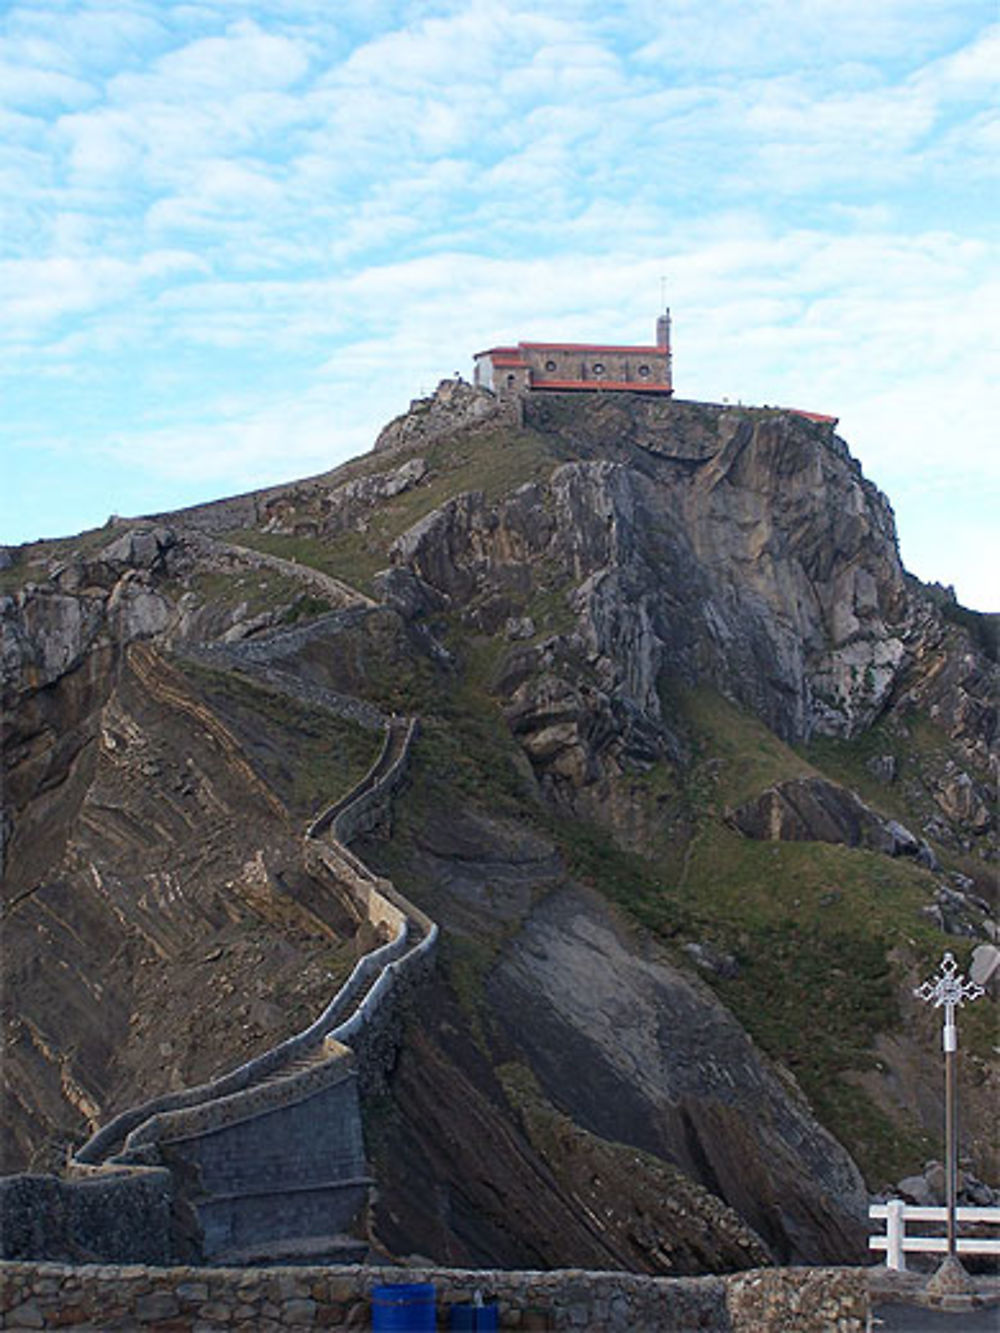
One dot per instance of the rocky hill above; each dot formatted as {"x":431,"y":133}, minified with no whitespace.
{"x":703,"y":788}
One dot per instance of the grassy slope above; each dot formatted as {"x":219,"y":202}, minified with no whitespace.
{"x":306,"y":754}
{"x":824,"y":936}
{"x":493,"y":462}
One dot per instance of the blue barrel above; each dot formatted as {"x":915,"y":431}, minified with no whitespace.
{"x":475,"y":1318}
{"x":404,"y":1307}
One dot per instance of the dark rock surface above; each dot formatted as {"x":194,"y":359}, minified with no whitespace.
{"x":637,"y":1053}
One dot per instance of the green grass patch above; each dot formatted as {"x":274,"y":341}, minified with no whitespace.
{"x":467,"y":964}
{"x":847,"y":761}
{"x":307,"y":755}
{"x":258,"y":591}
{"x":473,"y":761}
{"x":746,"y":756}
{"x":305,"y":607}
{"x":631,"y":881}
{"x":351,"y":557}
{"x":921,"y":750}
{"x":885,"y":1150}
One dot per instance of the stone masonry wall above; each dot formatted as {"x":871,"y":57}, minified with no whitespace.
{"x":129,"y":1209}
{"x":288,"y":1173}
{"x":267,"y":1300}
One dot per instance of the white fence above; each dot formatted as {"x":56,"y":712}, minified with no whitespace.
{"x":897,"y":1243}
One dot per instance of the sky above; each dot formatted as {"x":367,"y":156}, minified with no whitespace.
{"x":237,"y":238}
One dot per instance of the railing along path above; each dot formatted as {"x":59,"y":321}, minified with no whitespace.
{"x":896,"y":1242}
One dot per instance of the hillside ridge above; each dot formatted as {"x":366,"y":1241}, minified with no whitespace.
{"x":685,"y":723}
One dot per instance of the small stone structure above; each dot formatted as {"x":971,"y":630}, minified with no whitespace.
{"x":801,"y":1300}
{"x":531,"y":366}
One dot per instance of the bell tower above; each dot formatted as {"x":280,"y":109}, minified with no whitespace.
{"x":663,"y":331}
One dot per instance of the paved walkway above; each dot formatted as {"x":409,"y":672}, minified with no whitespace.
{"x":896,"y":1318}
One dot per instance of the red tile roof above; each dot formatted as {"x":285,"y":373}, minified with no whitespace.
{"x":498,"y":351}
{"x":814,"y":416}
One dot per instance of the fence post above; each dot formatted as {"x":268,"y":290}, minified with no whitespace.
{"x":895,"y":1230}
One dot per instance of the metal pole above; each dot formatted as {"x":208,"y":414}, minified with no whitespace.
{"x":950,"y":1132}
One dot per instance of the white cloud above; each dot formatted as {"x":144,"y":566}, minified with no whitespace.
{"x":263,"y":446}
{"x":970,"y":72}
{"x":33,"y":89}
{"x":37,"y":293}
{"x":808,"y":34}
{"x":214,"y":67}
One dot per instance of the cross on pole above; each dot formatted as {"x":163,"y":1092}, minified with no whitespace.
{"x":949,"y":990}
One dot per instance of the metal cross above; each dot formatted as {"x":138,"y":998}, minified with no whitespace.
{"x":948,"y":988}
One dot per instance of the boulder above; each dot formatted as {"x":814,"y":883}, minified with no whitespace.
{"x":815,"y":810}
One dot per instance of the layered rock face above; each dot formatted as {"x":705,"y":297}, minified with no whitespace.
{"x":770,"y":569}
{"x":616,"y":618}
{"x":741,"y":548}
{"x":155,"y":896}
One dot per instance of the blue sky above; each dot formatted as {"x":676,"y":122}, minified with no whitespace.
{"x":235,"y":239}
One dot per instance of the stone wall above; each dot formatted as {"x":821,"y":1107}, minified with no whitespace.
{"x":130,"y":1210}
{"x":788,"y":1300}
{"x":272,"y":1166}
{"x":106,"y":1298}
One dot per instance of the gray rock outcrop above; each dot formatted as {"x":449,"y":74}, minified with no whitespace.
{"x":761,"y":560}
{"x":815,"y":810}
{"x":595,"y":1015}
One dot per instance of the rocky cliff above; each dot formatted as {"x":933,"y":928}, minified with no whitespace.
{"x":703,"y":787}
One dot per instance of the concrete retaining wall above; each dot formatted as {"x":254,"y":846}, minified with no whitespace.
{"x":266,"y":1300}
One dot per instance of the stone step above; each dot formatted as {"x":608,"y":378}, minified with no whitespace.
{"x":301,"y":1250}
{"x":299,"y":1065}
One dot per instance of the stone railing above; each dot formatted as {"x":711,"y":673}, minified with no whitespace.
{"x":760,"y":1301}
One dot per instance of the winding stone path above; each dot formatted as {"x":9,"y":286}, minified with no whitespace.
{"x":270,"y":1157}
